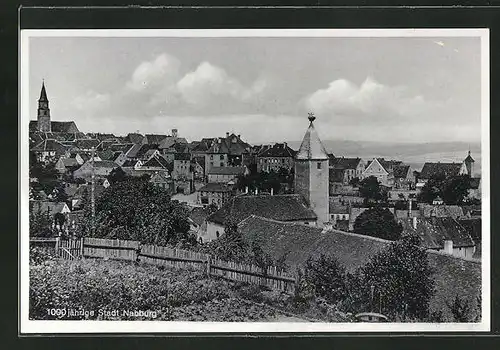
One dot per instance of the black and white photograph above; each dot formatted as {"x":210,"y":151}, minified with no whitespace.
{"x":251,"y":180}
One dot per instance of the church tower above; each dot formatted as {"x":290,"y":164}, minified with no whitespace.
{"x":312,"y":173}
{"x":43,"y":111}
{"x":469,"y":164}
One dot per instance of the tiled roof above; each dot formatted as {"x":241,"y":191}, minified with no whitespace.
{"x":120,"y":147}
{"x":311,"y":146}
{"x":70,"y":162}
{"x":279,"y":207}
{"x":389,"y":165}
{"x":86,"y":143}
{"x":401,"y":171}
{"x":129,"y":163}
{"x":342,"y":163}
{"x":141,"y":152}
{"x":469,"y":159}
{"x":46,"y":206}
{"x":160,"y":177}
{"x":155,"y":162}
{"x":434,"y":231}
{"x":105,"y":164}
{"x":215,"y":187}
{"x":231,"y":144}
{"x":453,"y":276}
{"x":169,"y":141}
{"x":155,"y":139}
{"x":49,"y":145}
{"x":63,"y":126}
{"x":227,"y":170}
{"x":182,"y":156}
{"x":278,"y":150}
{"x":442,"y":211}
{"x":134,"y":138}
{"x":440,"y":169}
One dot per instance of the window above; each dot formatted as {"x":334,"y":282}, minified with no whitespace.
{"x":217,"y":234}
{"x":319,"y":165}
{"x":221,"y":157}
{"x":221,"y":164}
{"x":211,"y":157}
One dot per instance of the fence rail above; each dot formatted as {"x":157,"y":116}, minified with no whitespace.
{"x":179,"y":258}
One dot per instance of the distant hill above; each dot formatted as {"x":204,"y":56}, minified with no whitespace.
{"x":414,"y":154}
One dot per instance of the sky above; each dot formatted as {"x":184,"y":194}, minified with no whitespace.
{"x":425,"y":89}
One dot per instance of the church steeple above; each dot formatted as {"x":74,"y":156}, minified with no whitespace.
{"x":44,"y":124}
{"x":469,"y":164}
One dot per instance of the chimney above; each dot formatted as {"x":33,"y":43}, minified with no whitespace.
{"x":256,"y":191}
{"x":239,"y":136}
{"x":272,"y":191}
{"x":448,"y":246}
{"x":284,"y":144}
{"x":246,"y":189}
{"x":409,"y":207}
{"x":174,"y":133}
{"x":414,"y":222}
{"x":227,"y":133}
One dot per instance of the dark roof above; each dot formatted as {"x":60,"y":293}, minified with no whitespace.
{"x":278,"y":150}
{"x":336,"y":175}
{"x":182,"y":156}
{"x":389,"y":165}
{"x":105,"y":164}
{"x":440,"y":169}
{"x":156,"y":162}
{"x":401,"y":171}
{"x":49,"y":145}
{"x":43,"y":94}
{"x":65,"y":127}
{"x":169,"y":141}
{"x":134,"y":138}
{"x":155,"y":138}
{"x":202,"y":146}
{"x":453,"y":276}
{"x":434,"y":231}
{"x":227,"y":170}
{"x":428,"y":210}
{"x":231,"y":144}
{"x":279,"y":207}
{"x":141,"y":152}
{"x":215,"y":187}
{"x":129,"y":163}
{"x":469,"y":159}
{"x":86,"y":143}
{"x":342,"y":163}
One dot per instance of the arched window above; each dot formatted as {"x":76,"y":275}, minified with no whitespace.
{"x":217,"y":234}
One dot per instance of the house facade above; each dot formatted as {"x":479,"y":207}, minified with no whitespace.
{"x":215,"y":193}
{"x":226,"y":174}
{"x":279,"y":156}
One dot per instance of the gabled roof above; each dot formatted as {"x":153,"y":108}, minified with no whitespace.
{"x":104,"y":164}
{"x":434,"y":231}
{"x":401,"y":171}
{"x":278,"y":150}
{"x":182,"y":156}
{"x":311,"y":146}
{"x":169,"y":141}
{"x":143,"y":149}
{"x":227,"y":170}
{"x":441,"y":211}
{"x":231,"y":144}
{"x":43,"y":94}
{"x":160,"y":177}
{"x":70,"y":162}
{"x":280,"y":207}
{"x":216,"y":187}
{"x":86,"y":143}
{"x":156,"y":162}
{"x":475,"y":182}
{"x":373,"y":163}
{"x":440,"y":169}
{"x":453,"y":276}
{"x":129,"y":163}
{"x":469,"y":159}
{"x":389,"y":165}
{"x":342,"y":163}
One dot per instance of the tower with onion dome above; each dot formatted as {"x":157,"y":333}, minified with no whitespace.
{"x":312,"y":174}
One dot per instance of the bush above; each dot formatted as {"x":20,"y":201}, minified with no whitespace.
{"x":327,"y":276}
{"x":378,"y":222}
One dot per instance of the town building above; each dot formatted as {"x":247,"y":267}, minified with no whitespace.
{"x":226,"y":174}
{"x":100,"y":168}
{"x":162,"y":180}
{"x":226,"y":151}
{"x":312,"y":173}
{"x":343,"y":169}
{"x":215,"y":193}
{"x":437,"y":170}
{"x":279,"y":156}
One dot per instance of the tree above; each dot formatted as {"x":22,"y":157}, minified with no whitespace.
{"x":137,"y":210}
{"x":460,"y":309}
{"x":452,"y":189}
{"x":399,"y":280}
{"x":354,"y":182}
{"x":378,"y":222}
{"x":231,"y":246}
{"x":371,"y":190}
{"x":327,"y":275}
{"x":117,"y":175}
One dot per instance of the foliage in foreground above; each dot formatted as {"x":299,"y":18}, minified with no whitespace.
{"x":378,"y":222}
{"x":112,"y":285}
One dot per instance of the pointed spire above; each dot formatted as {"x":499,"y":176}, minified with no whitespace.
{"x":311,"y":147}
{"x":43,"y":93}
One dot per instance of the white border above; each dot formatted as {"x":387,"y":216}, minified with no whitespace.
{"x":29,"y":326}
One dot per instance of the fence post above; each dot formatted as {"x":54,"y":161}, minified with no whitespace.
{"x":57,"y":246}
{"x":82,"y":240}
{"x":208,"y":265}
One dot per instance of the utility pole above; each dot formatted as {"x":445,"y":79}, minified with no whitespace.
{"x":92,"y":197}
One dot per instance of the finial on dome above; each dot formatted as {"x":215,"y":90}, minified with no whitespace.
{"x":311,"y":117}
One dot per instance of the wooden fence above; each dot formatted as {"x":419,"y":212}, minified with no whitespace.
{"x":179,"y":258}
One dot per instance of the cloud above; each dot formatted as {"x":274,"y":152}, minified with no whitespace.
{"x":157,"y":73}
{"x":208,"y":82}
{"x":371,"y":101}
